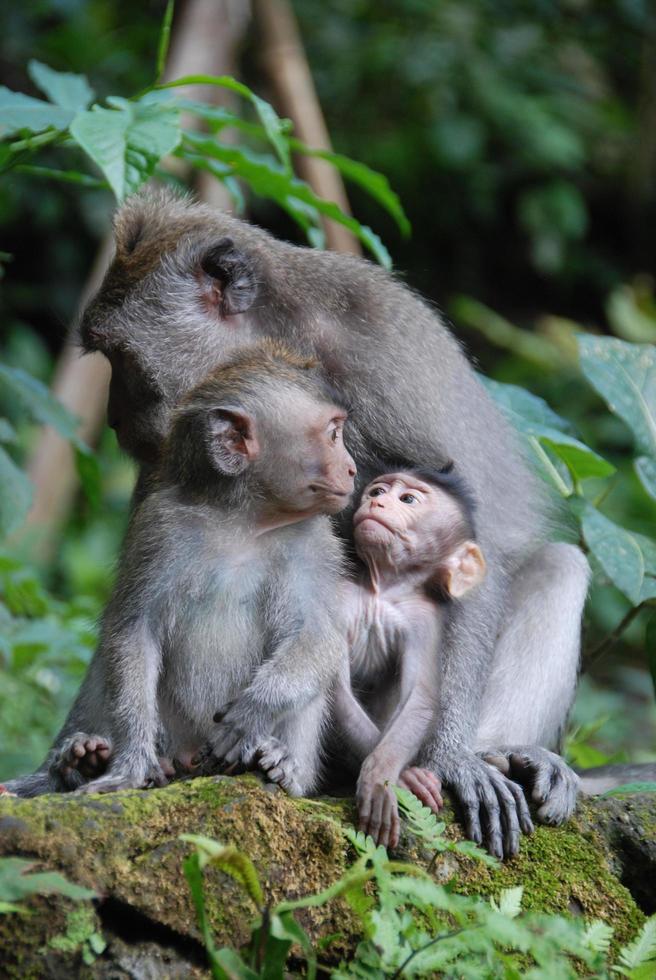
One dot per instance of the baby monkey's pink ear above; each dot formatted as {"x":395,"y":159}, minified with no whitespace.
{"x":233,"y":442}
{"x":464,"y":569}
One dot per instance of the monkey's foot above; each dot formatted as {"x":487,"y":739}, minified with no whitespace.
{"x":425,"y":785}
{"x":82,"y":756}
{"x":4,"y":791}
{"x":552,"y":785}
{"x":278,"y":766}
{"x":114,"y":781}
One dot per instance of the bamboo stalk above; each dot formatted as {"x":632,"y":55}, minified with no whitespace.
{"x":285,"y":60}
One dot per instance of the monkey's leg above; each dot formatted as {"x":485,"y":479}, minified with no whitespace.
{"x":531,"y":685}
{"x":35,"y":784}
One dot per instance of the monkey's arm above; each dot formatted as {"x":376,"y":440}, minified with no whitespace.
{"x":492,"y":804}
{"x":301,"y":668}
{"x":358,"y":734}
{"x":406,"y":731}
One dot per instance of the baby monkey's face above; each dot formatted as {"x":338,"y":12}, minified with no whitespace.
{"x":399,"y":511}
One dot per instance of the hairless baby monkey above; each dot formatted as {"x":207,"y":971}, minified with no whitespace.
{"x":226,"y":593}
{"x":414,"y":533}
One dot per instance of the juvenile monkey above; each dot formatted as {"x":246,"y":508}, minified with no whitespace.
{"x":414,"y":533}
{"x":189,"y":284}
{"x":227,"y":591}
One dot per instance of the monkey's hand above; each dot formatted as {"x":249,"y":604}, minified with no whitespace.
{"x":378,"y":810}
{"x":425,"y":785}
{"x":553,"y":786}
{"x":278,"y":766}
{"x":494,"y":808}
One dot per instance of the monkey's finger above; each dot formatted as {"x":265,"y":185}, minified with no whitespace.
{"x":425,"y":791}
{"x":561,"y":801}
{"x":395,"y":824}
{"x":492,"y":820}
{"x":471,"y":811}
{"x":364,"y":803}
{"x":509,"y":819}
{"x":376,"y":815}
{"x":77,"y":751}
{"x":386,"y":817}
{"x":526,"y":772}
{"x":523,"y":812}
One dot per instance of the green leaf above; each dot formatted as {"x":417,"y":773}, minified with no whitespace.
{"x":16,"y":883}
{"x":16,"y":495}
{"x":41,"y":403}
{"x":625,"y":376}
{"x":63,"y":88}
{"x":230,"y":860}
{"x":374,"y":183}
{"x":127,"y":141}
{"x":65,"y":176}
{"x":275,"y":127}
{"x":532,"y":417}
{"x":616,"y":549}
{"x":18,"y":112}
{"x":510,"y":902}
{"x":269,"y":181}
{"x":645,"y":467}
{"x":7,"y":907}
{"x":228,"y":965}
{"x":598,"y":935}
{"x":627,"y":789}
{"x":643,"y":947}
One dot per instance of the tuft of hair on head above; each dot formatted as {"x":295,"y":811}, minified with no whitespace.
{"x":445,"y":478}
{"x":268,"y":362}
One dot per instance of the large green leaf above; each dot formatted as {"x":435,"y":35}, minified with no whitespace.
{"x":16,"y":883}
{"x":533,"y":418}
{"x":18,"y":111}
{"x":128,"y":140}
{"x":629,"y":559}
{"x":625,"y":376}
{"x":62,"y":87}
{"x":15,"y":495}
{"x":650,"y":648}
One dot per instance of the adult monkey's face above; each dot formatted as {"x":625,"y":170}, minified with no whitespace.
{"x":170,"y":308}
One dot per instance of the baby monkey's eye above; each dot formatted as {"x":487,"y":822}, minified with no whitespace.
{"x":377,"y":491}
{"x":407,"y":498}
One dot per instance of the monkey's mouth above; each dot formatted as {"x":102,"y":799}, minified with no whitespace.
{"x":375,"y":519}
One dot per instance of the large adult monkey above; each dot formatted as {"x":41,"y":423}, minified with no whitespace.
{"x":189,"y":284}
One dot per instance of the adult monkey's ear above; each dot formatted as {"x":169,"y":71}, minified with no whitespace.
{"x":232,"y":438}
{"x":464,"y":569}
{"x":230,"y":283}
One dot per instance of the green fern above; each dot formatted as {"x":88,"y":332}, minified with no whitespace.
{"x":424,"y":824}
{"x":641,"y":951}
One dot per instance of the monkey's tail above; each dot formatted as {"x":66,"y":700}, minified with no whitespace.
{"x":601,"y":779}
{"x":41,"y":781}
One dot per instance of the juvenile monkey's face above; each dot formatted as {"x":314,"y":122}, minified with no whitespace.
{"x":305,"y":466}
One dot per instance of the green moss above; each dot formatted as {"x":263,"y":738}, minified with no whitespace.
{"x":127,"y":846}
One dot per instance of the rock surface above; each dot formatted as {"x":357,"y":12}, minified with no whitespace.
{"x":126,"y":847}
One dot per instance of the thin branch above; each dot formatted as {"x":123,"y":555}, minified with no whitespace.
{"x":609,"y":642}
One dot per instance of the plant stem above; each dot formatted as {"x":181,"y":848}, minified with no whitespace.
{"x":609,"y":642}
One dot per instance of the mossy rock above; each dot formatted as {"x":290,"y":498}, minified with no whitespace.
{"x":126,"y":847}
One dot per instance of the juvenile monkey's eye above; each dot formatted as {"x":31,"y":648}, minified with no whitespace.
{"x":334,"y":434}
{"x":377,"y":491}
{"x":407,"y":498}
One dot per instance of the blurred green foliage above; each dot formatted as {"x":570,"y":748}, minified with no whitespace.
{"x":518,"y":137}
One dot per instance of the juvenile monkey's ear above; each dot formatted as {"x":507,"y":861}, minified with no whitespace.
{"x":230,"y":283}
{"x":233,"y":442}
{"x":465,"y":568}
